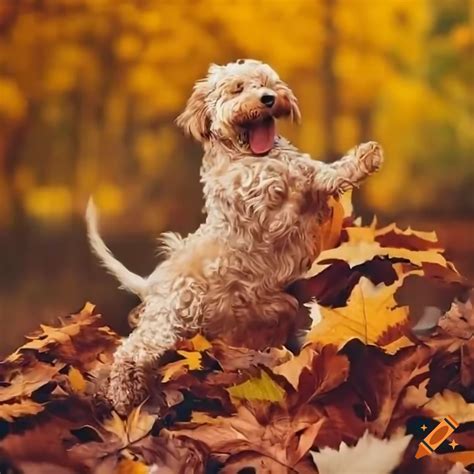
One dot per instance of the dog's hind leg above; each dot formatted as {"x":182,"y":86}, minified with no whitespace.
{"x":165,"y":318}
{"x":131,"y":373}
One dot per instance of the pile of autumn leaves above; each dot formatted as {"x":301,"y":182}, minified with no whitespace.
{"x":391,"y":343}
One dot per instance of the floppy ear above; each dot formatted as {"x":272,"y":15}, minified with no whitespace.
{"x":287,"y":95}
{"x":195,"y":119}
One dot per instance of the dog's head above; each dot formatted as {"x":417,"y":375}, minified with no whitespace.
{"x":238,"y":103}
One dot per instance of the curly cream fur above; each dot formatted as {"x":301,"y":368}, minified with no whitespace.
{"x":262,"y":230}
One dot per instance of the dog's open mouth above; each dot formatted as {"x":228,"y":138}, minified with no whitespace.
{"x":262,"y":136}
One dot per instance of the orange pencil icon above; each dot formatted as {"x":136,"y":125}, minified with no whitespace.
{"x":432,"y":440}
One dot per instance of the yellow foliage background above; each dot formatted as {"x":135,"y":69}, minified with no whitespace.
{"x":89,"y":90}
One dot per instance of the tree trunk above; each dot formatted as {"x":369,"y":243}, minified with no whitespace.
{"x":329,"y":83}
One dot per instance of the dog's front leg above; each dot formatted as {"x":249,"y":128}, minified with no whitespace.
{"x":350,"y":170}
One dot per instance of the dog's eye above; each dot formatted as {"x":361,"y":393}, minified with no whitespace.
{"x":238,"y":88}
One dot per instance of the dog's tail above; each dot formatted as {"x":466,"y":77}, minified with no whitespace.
{"x":128,"y":280}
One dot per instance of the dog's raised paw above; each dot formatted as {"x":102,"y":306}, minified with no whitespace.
{"x":370,"y":155}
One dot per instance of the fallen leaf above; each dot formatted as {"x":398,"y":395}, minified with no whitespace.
{"x":128,"y":466}
{"x":116,"y":426}
{"x":466,"y":458}
{"x":345,"y":420}
{"x":167,"y":454}
{"x":77,"y":381}
{"x":333,"y":285}
{"x":370,"y":311}
{"x":240,"y":358}
{"x":135,"y":427}
{"x":22,"y":383}
{"x":252,"y":462}
{"x":262,"y":388}
{"x":380,"y":380}
{"x":392,"y":236}
{"x":292,"y":368}
{"x":450,"y":403}
{"x":263,"y":428}
{"x":328,"y":370}
{"x":369,"y":455}
{"x":459,"y":320}
{"x":139,"y":424}
{"x":190,"y":361}
{"x":10,"y":411}
{"x":236,"y":409}
{"x":415,"y":396}
{"x":200,"y":343}
{"x":331,"y":229}
{"x":81,"y":340}
{"x":201,"y":418}
{"x":361,"y":246}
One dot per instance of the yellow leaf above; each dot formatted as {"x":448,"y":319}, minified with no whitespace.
{"x":362,"y":246}
{"x":128,"y":466}
{"x":262,"y":388}
{"x":291,"y":369}
{"x":10,"y":411}
{"x":203,"y":419}
{"x":200,"y":343}
{"x":116,"y":426}
{"x":139,"y":424}
{"x":346,"y":202}
{"x":59,"y":335}
{"x":452,"y":404}
{"x":357,"y":253}
{"x":77,"y":381}
{"x":428,"y":236}
{"x":331,"y":229}
{"x":395,"y":346}
{"x":369,"y":312}
{"x":135,"y":427}
{"x":88,"y":308}
{"x":191,"y":361}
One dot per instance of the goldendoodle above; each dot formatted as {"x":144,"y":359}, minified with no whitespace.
{"x":265,"y":203}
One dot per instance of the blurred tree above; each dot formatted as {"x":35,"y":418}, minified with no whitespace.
{"x":89,"y":90}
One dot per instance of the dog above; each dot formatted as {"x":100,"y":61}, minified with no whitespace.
{"x":265,"y":202}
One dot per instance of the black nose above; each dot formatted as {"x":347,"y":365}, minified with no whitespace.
{"x":268,"y":100}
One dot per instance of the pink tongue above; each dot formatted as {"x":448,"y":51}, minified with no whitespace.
{"x":262,"y":136}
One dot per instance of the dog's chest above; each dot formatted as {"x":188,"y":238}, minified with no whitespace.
{"x":263,"y":205}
